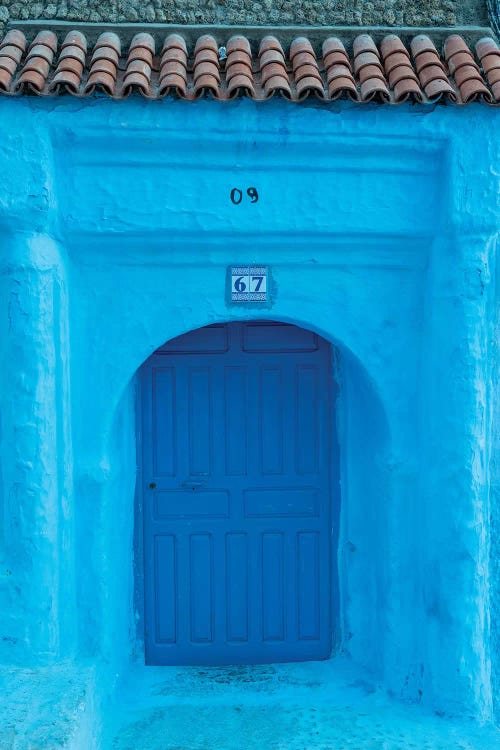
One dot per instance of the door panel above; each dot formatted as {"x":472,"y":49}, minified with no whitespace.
{"x":237,"y":518}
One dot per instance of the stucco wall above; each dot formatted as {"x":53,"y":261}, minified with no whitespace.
{"x":380,"y":225}
{"x":331,"y":12}
{"x":495,"y":502}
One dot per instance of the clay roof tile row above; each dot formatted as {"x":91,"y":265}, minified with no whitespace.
{"x":390,"y":73}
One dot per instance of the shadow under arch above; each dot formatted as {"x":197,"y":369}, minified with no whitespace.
{"x":361,"y":537}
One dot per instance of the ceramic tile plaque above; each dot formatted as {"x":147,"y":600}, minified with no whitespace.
{"x":249,"y":283}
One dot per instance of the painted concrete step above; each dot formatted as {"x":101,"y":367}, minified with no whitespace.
{"x":307,"y":706}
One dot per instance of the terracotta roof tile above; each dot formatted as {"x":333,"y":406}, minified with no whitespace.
{"x":239,"y":72}
{"x":71,"y":64}
{"x":338,"y":69}
{"x":392,"y":72}
{"x":272,"y":65}
{"x":391,"y":45}
{"x":206,"y":67}
{"x":173,"y":73}
{"x":465,"y":70}
{"x":399,"y":70}
{"x":364,"y":43}
{"x":35,"y":71}
{"x":11,"y":51}
{"x":488,"y":53}
{"x":103,"y":65}
{"x":430,"y":70}
{"x":368,"y":68}
{"x":139,"y":67}
{"x":305,"y":69}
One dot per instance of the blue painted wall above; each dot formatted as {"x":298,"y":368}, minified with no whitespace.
{"x":380,"y":225}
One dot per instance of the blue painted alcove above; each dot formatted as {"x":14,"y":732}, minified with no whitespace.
{"x":380,"y":226}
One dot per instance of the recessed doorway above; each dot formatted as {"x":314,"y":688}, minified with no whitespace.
{"x":237,"y":462}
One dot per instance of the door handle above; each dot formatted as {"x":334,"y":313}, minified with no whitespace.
{"x":193,"y":484}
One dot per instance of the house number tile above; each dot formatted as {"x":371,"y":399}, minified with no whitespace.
{"x":249,"y":284}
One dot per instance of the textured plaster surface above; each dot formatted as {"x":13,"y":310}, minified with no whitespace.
{"x":267,"y":12}
{"x":48,"y":708}
{"x":380,"y":225}
{"x":311,"y":706}
{"x":495,"y":504}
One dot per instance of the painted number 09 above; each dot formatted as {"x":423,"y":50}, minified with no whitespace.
{"x":237,"y":195}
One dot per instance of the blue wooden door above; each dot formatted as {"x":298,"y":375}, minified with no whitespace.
{"x":237,"y":520}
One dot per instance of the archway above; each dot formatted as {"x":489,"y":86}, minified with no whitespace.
{"x":359,"y":543}
{"x":240,"y":496}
